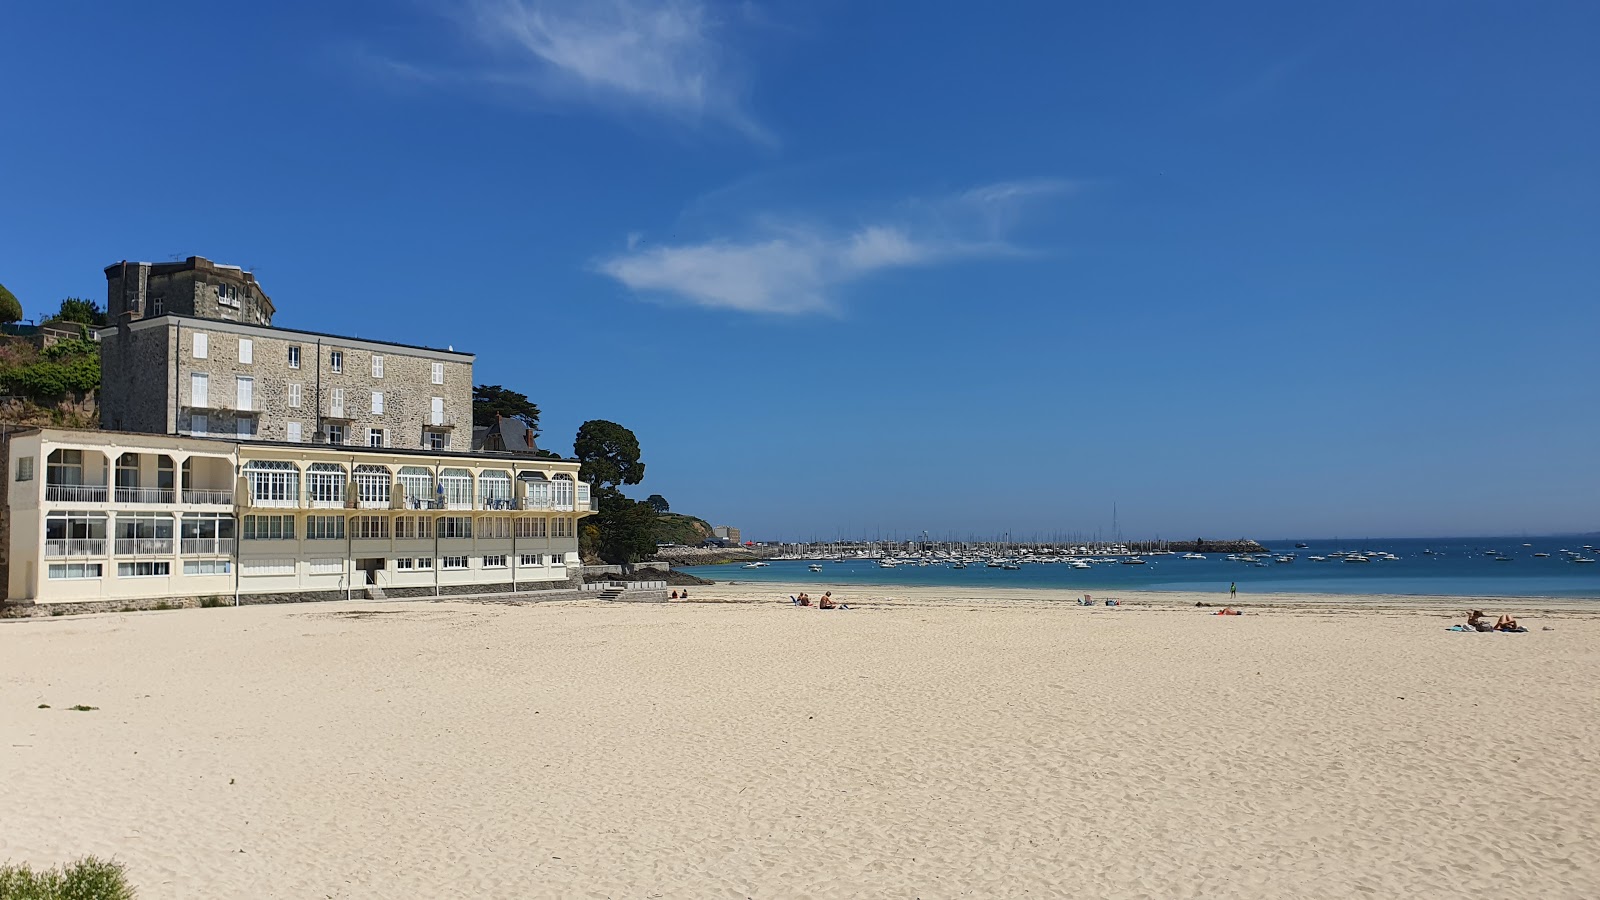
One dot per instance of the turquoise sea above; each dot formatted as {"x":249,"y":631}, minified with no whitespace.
{"x":1455,"y":567}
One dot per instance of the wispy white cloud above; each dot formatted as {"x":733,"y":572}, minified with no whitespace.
{"x":665,"y":57}
{"x":791,"y":269}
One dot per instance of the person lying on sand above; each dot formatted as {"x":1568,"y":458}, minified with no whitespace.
{"x":1228,"y":611}
{"x":1506,"y":623}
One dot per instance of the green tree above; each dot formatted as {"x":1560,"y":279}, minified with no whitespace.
{"x":658,"y":503}
{"x":626,"y":530}
{"x":10,"y":307}
{"x":84,"y":312}
{"x":609,"y":454}
{"x":491,"y":400}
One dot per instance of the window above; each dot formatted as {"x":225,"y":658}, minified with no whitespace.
{"x":199,"y":389}
{"x":143,"y":535}
{"x":158,"y":306}
{"x":200,"y":345}
{"x":273,"y":481}
{"x":335,"y":434}
{"x":532,"y":527}
{"x":424,"y":562}
{"x":326,"y":567}
{"x":75,"y":534}
{"x":208,"y":567}
{"x":560,"y":527}
{"x":198,"y":424}
{"x":244,"y":393}
{"x":325,"y":528}
{"x":453,"y":562}
{"x":408,"y":527}
{"x":74,"y":570}
{"x":494,"y":487}
{"x":292,"y":432}
{"x":24,"y":468}
{"x":336,"y":403}
{"x":376,"y":438}
{"x":403,"y":564}
{"x":377,"y":403}
{"x":418,"y":485}
{"x":266,"y":567}
{"x":294,"y":394}
{"x":247,"y":351}
{"x":494,"y":562}
{"x":336,"y":361}
{"x":532,"y":559}
{"x":244,"y":427}
{"x":143,"y":569}
{"x":370,"y":528}
{"x":494,"y":527}
{"x":436,"y":411}
{"x":372,"y":485}
{"x":455,"y":527}
{"x":207,"y":534}
{"x":65,"y":467}
{"x":268,"y":528}
{"x":436,"y":440}
{"x":228,"y":294}
{"x":377,"y":367}
{"x":325,"y":484}
{"x":294,"y":356}
{"x":438,"y":373}
{"x":455,"y":485}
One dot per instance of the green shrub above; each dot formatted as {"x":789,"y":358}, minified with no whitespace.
{"x":77,"y":708}
{"x":89,"y":878}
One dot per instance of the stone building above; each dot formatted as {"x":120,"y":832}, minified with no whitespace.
{"x":177,"y":374}
{"x":195,"y":287}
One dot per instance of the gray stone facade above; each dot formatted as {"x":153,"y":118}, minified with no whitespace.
{"x":195,"y":287}
{"x":150,"y":366}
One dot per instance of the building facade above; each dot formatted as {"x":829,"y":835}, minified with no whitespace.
{"x":195,"y":287}
{"x":181,"y":375}
{"x":99,"y":516}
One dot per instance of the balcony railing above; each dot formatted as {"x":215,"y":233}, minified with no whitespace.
{"x":75,"y":493}
{"x":326,"y":503}
{"x":224,"y":498}
{"x":75,"y":547}
{"x":372,"y":504}
{"x":143,"y":495}
{"x":207,"y":547}
{"x":143,"y":546}
{"x":496,"y":503}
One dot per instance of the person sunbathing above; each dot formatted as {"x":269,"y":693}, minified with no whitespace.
{"x":1506,"y":623}
{"x":826,"y":602}
{"x":1477,"y":622}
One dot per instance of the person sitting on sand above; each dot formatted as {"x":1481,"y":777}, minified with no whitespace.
{"x":1506,"y":623}
{"x":826,"y":602}
{"x":1476,"y":622}
{"x":804,"y":599}
{"x":684,"y":595}
{"x":674,"y":596}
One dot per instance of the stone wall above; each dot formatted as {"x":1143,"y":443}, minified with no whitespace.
{"x":136,"y":380}
{"x":193,"y":287}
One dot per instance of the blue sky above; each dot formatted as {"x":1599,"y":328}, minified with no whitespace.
{"x":1264,"y":269}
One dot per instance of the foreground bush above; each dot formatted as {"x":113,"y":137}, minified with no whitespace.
{"x":87,"y":879}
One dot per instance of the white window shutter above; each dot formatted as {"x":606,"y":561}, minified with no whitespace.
{"x":201,"y":345}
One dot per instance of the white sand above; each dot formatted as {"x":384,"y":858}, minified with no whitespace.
{"x":916,"y":748}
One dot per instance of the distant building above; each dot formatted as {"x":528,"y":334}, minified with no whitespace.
{"x":195,"y":287}
{"x":727,"y":533}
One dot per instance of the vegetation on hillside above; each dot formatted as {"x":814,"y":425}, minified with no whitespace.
{"x":676,"y":528}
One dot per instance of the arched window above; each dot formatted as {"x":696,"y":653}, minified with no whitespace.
{"x":561,"y":491}
{"x":494,"y":487}
{"x":273,"y":482}
{"x":372,"y":486}
{"x":325,"y":484}
{"x":418,"y":483}
{"x":456,"y":487}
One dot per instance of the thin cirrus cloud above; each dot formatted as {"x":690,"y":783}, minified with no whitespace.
{"x":659,"y":56}
{"x":799,"y":269}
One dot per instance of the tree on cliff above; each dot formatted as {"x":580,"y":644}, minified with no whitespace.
{"x":84,"y":312}
{"x":491,"y":400}
{"x":10,"y":307}
{"x":609,"y":454}
{"x":658,"y":503}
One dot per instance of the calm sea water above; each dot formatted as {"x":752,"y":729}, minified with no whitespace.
{"x":1457,"y":566}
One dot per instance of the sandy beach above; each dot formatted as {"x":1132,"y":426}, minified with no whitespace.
{"x":919,"y":745}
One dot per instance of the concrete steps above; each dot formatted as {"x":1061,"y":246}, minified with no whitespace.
{"x":376,"y":593}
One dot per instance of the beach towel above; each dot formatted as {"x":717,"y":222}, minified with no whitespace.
{"x":1462,"y":628}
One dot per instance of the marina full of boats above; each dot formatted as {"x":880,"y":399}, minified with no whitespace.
{"x":1498,"y":567}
